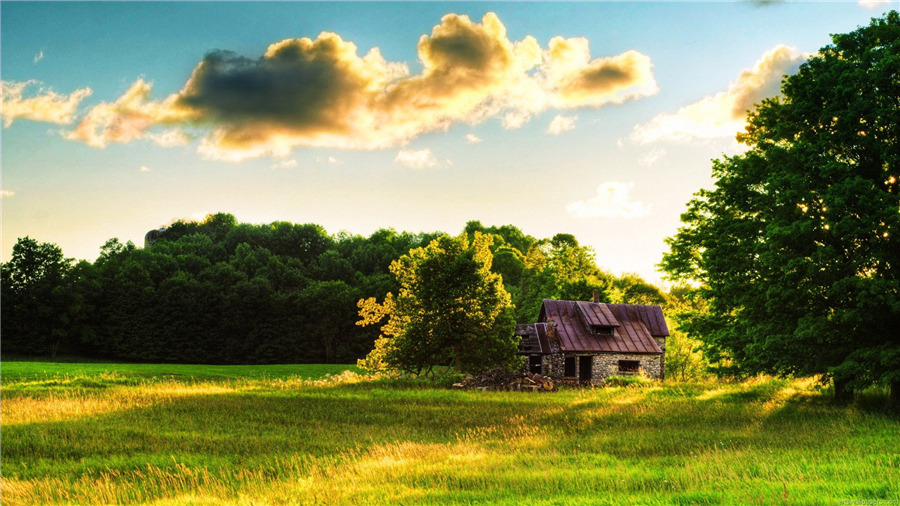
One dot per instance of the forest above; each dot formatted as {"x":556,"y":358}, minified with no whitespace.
{"x":223,"y":292}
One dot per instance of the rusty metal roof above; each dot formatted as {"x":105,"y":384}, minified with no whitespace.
{"x":596,"y":314}
{"x":637,"y":326}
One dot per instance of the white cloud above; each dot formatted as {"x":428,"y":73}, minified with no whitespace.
{"x":561,"y":124}
{"x":167,"y":138}
{"x":514,"y":120}
{"x":7,"y":194}
{"x":284,"y":165}
{"x":330,"y":160}
{"x":416,"y":159}
{"x":144,"y":168}
{"x":648,"y":159}
{"x":612,"y":201}
{"x":40,"y":56}
{"x":472,"y":138}
{"x":724,"y":114}
{"x":874,"y":4}
{"x":47,"y":106}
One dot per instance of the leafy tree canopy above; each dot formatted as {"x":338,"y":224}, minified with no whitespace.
{"x":450,"y":309}
{"x":37,"y":298}
{"x":796,"y":248}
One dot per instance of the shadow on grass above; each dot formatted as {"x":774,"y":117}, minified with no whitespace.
{"x":221,"y":429}
{"x":252,"y":428}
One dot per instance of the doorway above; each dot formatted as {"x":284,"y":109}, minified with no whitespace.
{"x":584,"y":368}
{"x":534,"y":364}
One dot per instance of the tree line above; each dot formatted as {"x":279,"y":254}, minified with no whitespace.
{"x":224,"y":292}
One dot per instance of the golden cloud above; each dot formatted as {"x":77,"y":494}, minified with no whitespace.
{"x":129,"y":118}
{"x":574,"y":80}
{"x":725,"y":113}
{"x":321,"y":93}
{"x":48,"y":106}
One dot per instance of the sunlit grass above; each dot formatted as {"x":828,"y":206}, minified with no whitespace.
{"x":298,"y":439}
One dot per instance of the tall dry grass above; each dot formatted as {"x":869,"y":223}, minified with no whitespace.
{"x":349,"y":440}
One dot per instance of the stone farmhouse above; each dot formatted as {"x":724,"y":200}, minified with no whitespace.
{"x":586,"y":342}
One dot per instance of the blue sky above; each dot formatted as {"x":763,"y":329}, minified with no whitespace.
{"x":596,"y":119}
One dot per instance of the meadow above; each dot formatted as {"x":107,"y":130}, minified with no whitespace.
{"x":166,"y":434}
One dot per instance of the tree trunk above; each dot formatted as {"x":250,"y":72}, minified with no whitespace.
{"x":843,"y":392}
{"x":894,"y":399}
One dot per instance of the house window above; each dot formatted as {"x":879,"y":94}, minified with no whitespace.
{"x":629,"y":366}
{"x":570,"y":367}
{"x":534,"y":364}
{"x":602,"y":331}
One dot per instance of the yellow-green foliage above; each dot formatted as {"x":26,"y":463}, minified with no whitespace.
{"x":450,"y":308}
{"x":348,"y":439}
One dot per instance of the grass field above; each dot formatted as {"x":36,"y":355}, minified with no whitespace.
{"x":40,"y":372}
{"x":110,"y":433}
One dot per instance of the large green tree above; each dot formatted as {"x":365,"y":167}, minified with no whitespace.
{"x":796,"y":248}
{"x":450,"y":310}
{"x":38,"y":299}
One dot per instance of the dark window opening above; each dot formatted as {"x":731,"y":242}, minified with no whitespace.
{"x":534,"y":364}
{"x":602,"y":331}
{"x":570,"y":367}
{"x":629,"y":366}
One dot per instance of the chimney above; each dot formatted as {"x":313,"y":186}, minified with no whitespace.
{"x":551,"y":329}
{"x":596,"y":296}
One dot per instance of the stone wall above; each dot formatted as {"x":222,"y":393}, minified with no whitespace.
{"x":602,"y":365}
{"x":609,"y":363}
{"x":661,"y":342}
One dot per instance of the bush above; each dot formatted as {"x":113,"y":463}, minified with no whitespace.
{"x":639,"y":380}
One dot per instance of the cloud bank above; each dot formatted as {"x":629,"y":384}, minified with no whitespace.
{"x":321,"y":93}
{"x":612,"y":201}
{"x":46,"y":106}
{"x":725,"y":113}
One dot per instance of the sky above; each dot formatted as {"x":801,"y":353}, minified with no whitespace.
{"x":598,"y":119}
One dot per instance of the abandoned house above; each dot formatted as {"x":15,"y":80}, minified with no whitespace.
{"x":586,"y":342}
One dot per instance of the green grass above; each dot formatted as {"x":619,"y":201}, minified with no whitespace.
{"x":19,"y":371}
{"x":254,"y":435}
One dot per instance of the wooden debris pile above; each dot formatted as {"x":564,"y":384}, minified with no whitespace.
{"x":534,"y":383}
{"x":499,"y":379}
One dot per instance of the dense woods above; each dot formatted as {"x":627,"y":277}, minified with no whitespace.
{"x":219,"y":291}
